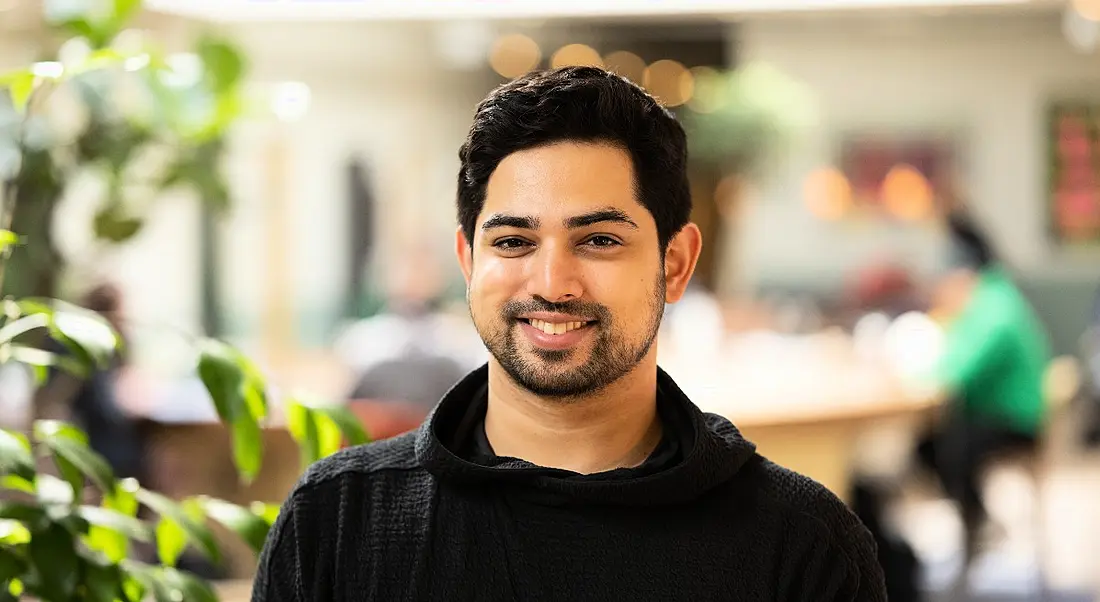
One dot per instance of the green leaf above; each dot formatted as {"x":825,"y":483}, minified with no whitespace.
{"x":72,"y":476}
{"x":187,"y":517}
{"x":31,"y":515}
{"x":250,"y":527}
{"x":171,"y":541}
{"x":115,"y":542}
{"x":348,"y":423}
{"x":268,"y":512}
{"x":23,"y":325}
{"x":124,"y":10}
{"x":11,"y":565}
{"x":248,"y":447}
{"x":194,"y":589}
{"x":171,"y":585}
{"x":89,"y":332}
{"x":115,"y":521}
{"x":17,"y":483}
{"x":30,"y":306}
{"x":41,"y":374}
{"x":15,"y":590}
{"x":15,"y":455}
{"x":70,"y":444}
{"x":237,"y":389}
{"x":8,"y":239}
{"x":53,"y":553}
{"x":103,"y":582}
{"x":106,"y":519}
{"x":82,"y":28}
{"x":20,"y":85}
{"x":302,"y":424}
{"x":224,"y":65}
{"x":320,"y":430}
{"x":223,"y":378}
{"x":41,"y":361}
{"x":111,"y":224}
{"x":13,"y":532}
{"x":133,"y":590}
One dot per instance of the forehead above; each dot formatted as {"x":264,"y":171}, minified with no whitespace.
{"x":564,"y":179}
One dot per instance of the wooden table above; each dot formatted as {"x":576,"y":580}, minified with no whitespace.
{"x":804,"y":402}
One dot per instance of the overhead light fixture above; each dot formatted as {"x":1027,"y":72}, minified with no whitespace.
{"x":433,"y":10}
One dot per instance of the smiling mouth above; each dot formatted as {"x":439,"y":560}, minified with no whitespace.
{"x":556,"y":328}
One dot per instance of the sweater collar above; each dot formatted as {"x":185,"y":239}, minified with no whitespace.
{"x":712,"y":453}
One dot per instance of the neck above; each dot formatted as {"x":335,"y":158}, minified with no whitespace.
{"x":615,"y":428}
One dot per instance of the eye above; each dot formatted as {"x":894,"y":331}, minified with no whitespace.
{"x":511,"y":244}
{"x":602,"y":241}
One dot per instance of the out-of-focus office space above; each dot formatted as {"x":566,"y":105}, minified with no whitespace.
{"x":829,"y":140}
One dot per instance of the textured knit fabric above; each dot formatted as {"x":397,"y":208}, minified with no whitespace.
{"x":410,"y":519}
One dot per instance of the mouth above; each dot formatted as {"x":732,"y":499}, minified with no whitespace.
{"x":556,"y":328}
{"x":557,"y":335}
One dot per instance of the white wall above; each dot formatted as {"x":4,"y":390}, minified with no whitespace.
{"x":383,"y":92}
{"x":987,"y":77}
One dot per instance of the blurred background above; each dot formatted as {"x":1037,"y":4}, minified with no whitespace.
{"x":830,"y":140}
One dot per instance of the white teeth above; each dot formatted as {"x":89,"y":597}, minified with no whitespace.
{"x":556,"y":328}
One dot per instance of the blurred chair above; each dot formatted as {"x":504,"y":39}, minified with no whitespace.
{"x":385,"y":419}
{"x":1061,"y":385}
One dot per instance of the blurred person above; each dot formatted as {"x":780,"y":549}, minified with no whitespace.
{"x":992,"y":368}
{"x":403,"y":354}
{"x":94,"y":405}
{"x":570,"y":467}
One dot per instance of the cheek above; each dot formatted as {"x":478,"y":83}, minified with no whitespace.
{"x":627,"y":292}
{"x":493,"y":281}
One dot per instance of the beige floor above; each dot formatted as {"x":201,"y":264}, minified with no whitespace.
{"x":1064,"y":533}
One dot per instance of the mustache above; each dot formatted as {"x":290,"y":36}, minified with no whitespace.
{"x":589,"y":309}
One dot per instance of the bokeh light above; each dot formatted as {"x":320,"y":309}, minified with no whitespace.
{"x":906,"y":193}
{"x":627,"y":64}
{"x":669,"y":81}
{"x":575,"y":55}
{"x":828,"y":193}
{"x":514,"y":54}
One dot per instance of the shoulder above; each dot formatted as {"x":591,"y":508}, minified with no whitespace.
{"x":390,"y":457}
{"x":811,"y":511}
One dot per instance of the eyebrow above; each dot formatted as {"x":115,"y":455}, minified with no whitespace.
{"x":523,"y":222}
{"x":501,"y":220}
{"x":600,"y":216}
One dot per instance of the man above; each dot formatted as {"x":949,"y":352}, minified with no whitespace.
{"x":995,"y":357}
{"x":570,"y":467}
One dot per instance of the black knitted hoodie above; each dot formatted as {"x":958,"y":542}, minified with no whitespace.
{"x":416,"y":518}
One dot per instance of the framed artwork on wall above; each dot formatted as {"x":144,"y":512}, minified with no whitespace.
{"x":905,"y":176}
{"x":1073,"y":168}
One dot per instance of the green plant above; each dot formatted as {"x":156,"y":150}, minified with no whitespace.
{"x":112,"y":108}
{"x":67,"y":525}
{"x":751,"y":112}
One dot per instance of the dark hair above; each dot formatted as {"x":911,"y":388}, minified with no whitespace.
{"x":970,"y":246}
{"x":582,"y":104}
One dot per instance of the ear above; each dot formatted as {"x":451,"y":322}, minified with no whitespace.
{"x":680,"y":259}
{"x":465,"y":253}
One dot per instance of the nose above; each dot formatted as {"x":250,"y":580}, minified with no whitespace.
{"x":554,"y":274}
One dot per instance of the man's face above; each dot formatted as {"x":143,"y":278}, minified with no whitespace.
{"x":566,"y":276}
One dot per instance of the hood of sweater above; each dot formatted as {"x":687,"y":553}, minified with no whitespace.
{"x":712,"y":452}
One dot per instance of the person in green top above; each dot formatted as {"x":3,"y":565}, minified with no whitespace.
{"x":996,"y":353}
